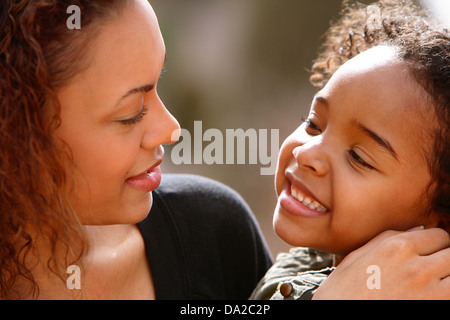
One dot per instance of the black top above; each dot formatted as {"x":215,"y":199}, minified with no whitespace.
{"x":202,"y":241}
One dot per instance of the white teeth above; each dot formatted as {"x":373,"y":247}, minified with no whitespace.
{"x":307,"y":201}
{"x":294,"y":193}
{"x":298,"y":195}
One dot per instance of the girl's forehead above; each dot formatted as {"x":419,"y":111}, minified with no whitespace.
{"x":377,"y":89}
{"x":378,"y":81}
{"x":372,"y":58}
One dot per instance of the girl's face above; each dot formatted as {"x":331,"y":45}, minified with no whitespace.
{"x":114,"y":122}
{"x":357,"y":165}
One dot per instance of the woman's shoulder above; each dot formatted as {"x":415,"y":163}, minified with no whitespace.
{"x":209,"y":230}
{"x":187,"y":192}
{"x":182,"y":185}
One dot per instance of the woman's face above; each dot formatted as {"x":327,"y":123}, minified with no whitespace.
{"x":356,"y":166}
{"x":114,"y":122}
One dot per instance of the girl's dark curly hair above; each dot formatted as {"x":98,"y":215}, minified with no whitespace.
{"x":424,"y":46}
{"x":38,"y":55}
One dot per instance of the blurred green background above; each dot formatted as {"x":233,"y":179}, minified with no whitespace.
{"x":241,"y":64}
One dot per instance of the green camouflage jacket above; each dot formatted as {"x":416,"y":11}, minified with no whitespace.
{"x":295,"y":275}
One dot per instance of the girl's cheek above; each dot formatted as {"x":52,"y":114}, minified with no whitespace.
{"x":284,"y":158}
{"x":295,"y":139}
{"x":287,"y":148}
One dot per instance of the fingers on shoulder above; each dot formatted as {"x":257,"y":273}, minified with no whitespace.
{"x":420,"y":242}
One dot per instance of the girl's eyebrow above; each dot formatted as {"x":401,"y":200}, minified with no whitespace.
{"x":321,"y":99}
{"x":377,"y":138}
{"x":374,"y":136}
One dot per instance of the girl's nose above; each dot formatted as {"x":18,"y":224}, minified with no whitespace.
{"x":311,"y":157}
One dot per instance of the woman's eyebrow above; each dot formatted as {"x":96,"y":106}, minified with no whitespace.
{"x":144,"y":88}
{"x":377,"y":138}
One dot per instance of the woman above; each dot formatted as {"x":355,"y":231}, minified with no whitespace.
{"x":81,"y":134}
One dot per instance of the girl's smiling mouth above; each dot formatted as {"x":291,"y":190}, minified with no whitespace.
{"x":296,"y":199}
{"x":306,"y":200}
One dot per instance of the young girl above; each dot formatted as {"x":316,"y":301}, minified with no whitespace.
{"x":373,"y":153}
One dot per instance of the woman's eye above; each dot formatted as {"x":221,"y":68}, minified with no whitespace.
{"x":358,"y":160}
{"x":135,"y":119}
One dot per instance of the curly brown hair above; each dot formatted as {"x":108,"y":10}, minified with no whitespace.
{"x":424,"y":46}
{"x":38,"y":55}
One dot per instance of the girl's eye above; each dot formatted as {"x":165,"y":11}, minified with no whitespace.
{"x":358,"y":160}
{"x":312,"y":127}
{"x":137,"y":118}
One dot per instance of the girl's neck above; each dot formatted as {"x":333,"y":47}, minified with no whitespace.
{"x":337,"y":259}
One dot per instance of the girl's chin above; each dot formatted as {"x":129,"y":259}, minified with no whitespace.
{"x":308,"y":232}
{"x":290,"y":231}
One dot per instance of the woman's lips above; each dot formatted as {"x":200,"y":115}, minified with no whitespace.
{"x":307,"y":207}
{"x":147,"y":181}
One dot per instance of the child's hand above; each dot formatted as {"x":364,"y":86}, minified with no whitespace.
{"x":411,"y":265}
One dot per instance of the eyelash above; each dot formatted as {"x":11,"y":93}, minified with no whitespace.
{"x":353,"y":155}
{"x":137,"y":118}
{"x":311,"y":125}
{"x":357,"y":159}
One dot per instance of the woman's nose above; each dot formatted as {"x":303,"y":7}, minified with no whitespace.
{"x":162,"y":127}
{"x":311,"y":157}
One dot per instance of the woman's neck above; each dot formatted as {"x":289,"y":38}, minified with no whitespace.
{"x":115,"y":267}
